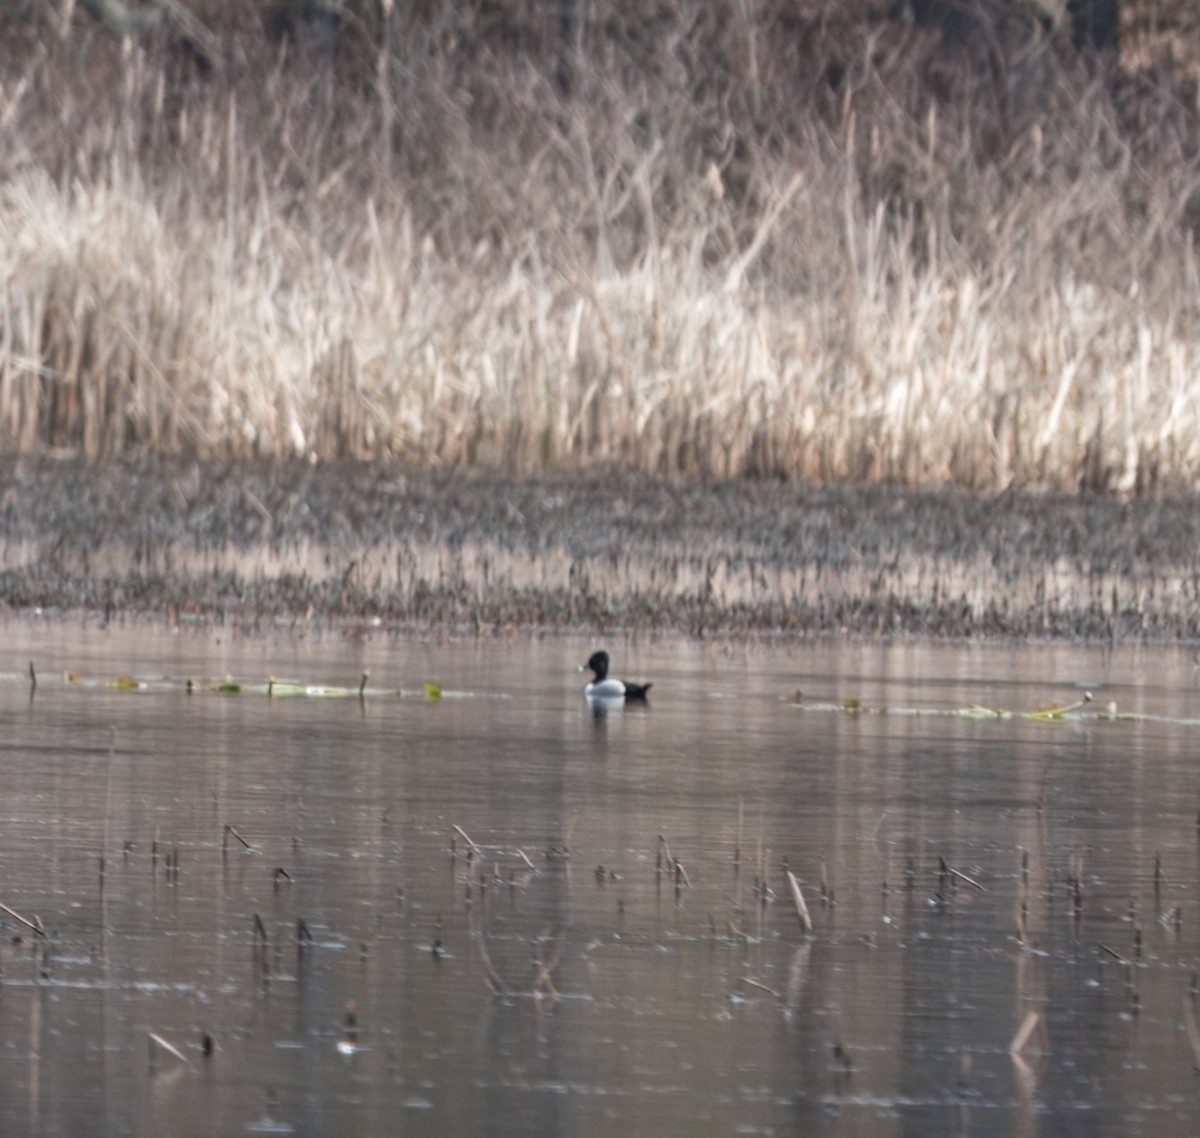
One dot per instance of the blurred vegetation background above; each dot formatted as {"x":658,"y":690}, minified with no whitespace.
{"x":920,"y":241}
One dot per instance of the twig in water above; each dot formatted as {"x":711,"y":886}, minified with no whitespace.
{"x":32,"y":676}
{"x":958,"y":875}
{"x":260,"y":933}
{"x":467,"y":838}
{"x":1114,"y":954}
{"x":30,"y":925}
{"x":230,"y":830}
{"x":362,"y":685}
{"x":169,"y":1048}
{"x":760,"y":987}
{"x":1023,"y":1033}
{"x":801,"y":908}
{"x":525,"y":858}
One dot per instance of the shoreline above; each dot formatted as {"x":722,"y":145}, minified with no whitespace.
{"x":255,"y":545}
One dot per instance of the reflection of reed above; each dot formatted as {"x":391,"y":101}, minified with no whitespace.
{"x":797,"y":980}
{"x":1026,"y":1089}
{"x":1024,"y":1033}
{"x":542,"y":966}
{"x":1193,"y":1032}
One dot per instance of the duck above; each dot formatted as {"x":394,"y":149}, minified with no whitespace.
{"x":603,"y":686}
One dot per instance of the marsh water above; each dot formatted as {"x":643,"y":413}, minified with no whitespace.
{"x":500,"y":912}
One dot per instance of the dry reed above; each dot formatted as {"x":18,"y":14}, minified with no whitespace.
{"x":828,"y":256}
{"x":229,"y":830}
{"x":798,"y":898}
{"x":34,"y":926}
{"x":157,"y":1041}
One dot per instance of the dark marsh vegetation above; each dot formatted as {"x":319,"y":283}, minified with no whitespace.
{"x":370,"y":546}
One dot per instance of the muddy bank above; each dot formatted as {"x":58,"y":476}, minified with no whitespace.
{"x":478,"y":551}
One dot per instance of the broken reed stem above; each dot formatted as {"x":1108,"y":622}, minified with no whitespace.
{"x":1114,"y":954}
{"x":169,"y":1048}
{"x":230,"y":830}
{"x":30,"y":925}
{"x":801,"y":908}
{"x":467,"y":838}
{"x":958,"y":875}
{"x":1024,"y":1032}
{"x":665,"y":862}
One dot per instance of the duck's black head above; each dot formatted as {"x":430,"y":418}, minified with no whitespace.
{"x":598,"y":663}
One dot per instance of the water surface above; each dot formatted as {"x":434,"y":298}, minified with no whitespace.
{"x":457,"y":916}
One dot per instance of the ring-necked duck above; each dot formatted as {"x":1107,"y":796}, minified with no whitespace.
{"x":603,"y":686}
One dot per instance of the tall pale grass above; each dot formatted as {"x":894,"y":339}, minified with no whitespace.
{"x":763,"y":266}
